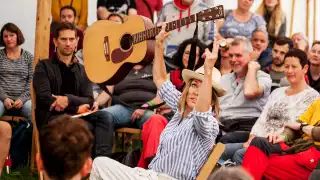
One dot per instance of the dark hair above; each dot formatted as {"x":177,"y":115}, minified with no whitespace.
{"x":315,"y":42}
{"x":177,"y":57}
{"x":230,"y":173}
{"x":69,"y":7}
{"x":65,"y":145}
{"x":115,"y":14}
{"x":65,"y":26}
{"x":283,"y":40}
{"x":298,"y":53}
{"x":13,"y":29}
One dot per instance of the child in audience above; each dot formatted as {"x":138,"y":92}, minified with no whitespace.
{"x":284,"y":105}
{"x":188,"y":139}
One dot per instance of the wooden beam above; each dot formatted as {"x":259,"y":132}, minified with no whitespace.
{"x":307,"y":17}
{"x":41,"y":52}
{"x":314,"y":20}
{"x":292,"y":16}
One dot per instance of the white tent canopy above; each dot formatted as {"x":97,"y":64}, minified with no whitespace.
{"x":23,"y":13}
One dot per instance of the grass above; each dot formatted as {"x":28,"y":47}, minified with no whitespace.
{"x":22,"y":173}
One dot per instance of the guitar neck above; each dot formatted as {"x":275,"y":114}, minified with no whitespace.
{"x":153,"y":32}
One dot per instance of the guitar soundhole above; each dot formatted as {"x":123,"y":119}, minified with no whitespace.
{"x":126,"y":42}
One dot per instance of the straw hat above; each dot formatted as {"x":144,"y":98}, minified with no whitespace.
{"x":199,"y":74}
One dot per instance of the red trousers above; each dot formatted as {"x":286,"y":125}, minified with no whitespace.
{"x":262,"y":161}
{"x":150,"y":136}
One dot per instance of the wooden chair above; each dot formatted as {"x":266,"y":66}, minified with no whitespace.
{"x":210,"y":164}
{"x":124,"y":132}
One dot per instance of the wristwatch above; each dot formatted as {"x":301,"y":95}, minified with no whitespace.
{"x":303,"y":125}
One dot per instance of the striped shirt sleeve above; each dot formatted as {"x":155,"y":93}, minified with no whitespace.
{"x":206,"y":126}
{"x":26,"y":95}
{"x":170,"y":95}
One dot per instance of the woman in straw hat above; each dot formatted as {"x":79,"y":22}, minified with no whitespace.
{"x":188,"y":139}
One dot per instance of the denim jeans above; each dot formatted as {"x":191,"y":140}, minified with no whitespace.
{"x":234,"y":152}
{"x":25,"y":110}
{"x":101,"y":124}
{"x":121,"y":116}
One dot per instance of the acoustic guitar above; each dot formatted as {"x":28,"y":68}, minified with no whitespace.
{"x":110,"y":50}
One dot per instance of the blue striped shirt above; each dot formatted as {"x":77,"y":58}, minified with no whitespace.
{"x":184,"y":145}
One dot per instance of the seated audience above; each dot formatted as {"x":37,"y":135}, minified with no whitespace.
{"x":247,"y":88}
{"x":240,"y":21}
{"x":300,"y":41}
{"x":147,"y":8}
{"x":65,"y":148}
{"x":293,"y":154}
{"x":230,"y":173}
{"x":15,"y":73}
{"x":275,"y":17}
{"x":62,"y":87}
{"x":188,"y":139}
{"x":123,"y":7}
{"x":284,"y":105}
{"x":67,"y":14}
{"x":5,"y":136}
{"x":276,"y":70}
{"x":314,"y":69}
{"x":261,"y":53}
{"x":79,"y":6}
{"x":176,"y":10}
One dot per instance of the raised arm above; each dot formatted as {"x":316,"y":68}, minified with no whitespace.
{"x":252,"y":87}
{"x":205,"y":124}
{"x":159,"y":68}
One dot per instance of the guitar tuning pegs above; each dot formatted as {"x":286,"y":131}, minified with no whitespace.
{"x":202,"y":12}
{"x":203,"y":18}
{"x":210,"y":17}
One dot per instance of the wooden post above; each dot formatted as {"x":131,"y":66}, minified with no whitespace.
{"x":41,"y":51}
{"x":292,"y":16}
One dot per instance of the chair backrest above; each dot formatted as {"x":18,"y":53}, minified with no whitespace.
{"x":209,"y":165}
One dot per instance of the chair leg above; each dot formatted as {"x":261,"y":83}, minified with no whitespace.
{"x":123,"y":144}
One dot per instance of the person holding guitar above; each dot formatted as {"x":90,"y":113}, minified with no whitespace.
{"x":188,"y":139}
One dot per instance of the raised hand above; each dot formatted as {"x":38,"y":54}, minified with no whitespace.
{"x":254,"y":65}
{"x":210,"y":57}
{"x":163,"y":34}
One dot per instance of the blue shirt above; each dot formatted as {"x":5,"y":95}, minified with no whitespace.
{"x":184,"y":144}
{"x":232,"y":27}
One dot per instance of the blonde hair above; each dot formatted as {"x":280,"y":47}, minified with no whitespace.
{"x":276,"y":20}
{"x":214,"y":100}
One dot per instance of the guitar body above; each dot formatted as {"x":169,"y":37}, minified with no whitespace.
{"x":109,"y":52}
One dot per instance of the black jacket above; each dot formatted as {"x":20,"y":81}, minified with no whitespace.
{"x":47,"y":80}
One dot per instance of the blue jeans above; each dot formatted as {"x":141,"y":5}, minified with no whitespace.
{"x":25,"y":110}
{"x":234,"y":152}
{"x":121,"y":116}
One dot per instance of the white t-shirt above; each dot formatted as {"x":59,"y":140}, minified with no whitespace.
{"x":281,"y":108}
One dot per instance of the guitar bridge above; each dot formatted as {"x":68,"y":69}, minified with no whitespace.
{"x":106,"y":48}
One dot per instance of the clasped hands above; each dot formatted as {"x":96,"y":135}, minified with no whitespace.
{"x":9,"y":103}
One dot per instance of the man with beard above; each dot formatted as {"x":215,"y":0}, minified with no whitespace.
{"x":62,"y":87}
{"x":276,"y":69}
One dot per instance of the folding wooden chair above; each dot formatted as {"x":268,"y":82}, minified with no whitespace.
{"x":210,"y":164}
{"x":124,"y":132}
